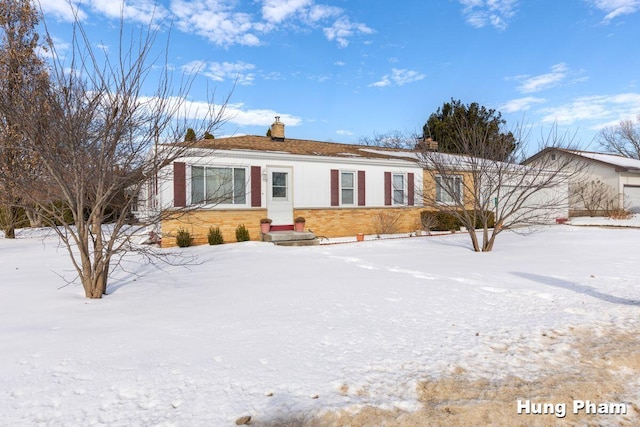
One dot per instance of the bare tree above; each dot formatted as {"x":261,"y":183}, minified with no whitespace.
{"x":96,"y":139}
{"x":24,"y":80}
{"x":481,"y":189}
{"x":391,"y":139}
{"x":623,"y":139}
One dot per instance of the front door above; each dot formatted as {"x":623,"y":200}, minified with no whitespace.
{"x":279,"y":195}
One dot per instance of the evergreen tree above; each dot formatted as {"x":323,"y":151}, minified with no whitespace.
{"x":445,"y":125}
{"x":190,"y":136}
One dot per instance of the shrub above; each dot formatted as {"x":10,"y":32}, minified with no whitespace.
{"x":620,"y":214}
{"x":215,"y":236}
{"x":386,"y":222}
{"x":183,"y":238}
{"x":299,"y":219}
{"x":428,"y":221}
{"x":242,"y":234}
{"x":265,"y":221}
{"x":445,"y":221}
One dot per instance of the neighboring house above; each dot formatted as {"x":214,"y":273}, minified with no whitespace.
{"x":603,"y":182}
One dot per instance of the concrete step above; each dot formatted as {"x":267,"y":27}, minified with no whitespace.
{"x":290,"y":238}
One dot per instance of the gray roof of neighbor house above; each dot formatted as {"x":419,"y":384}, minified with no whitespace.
{"x":305,"y":147}
{"x":620,"y":163}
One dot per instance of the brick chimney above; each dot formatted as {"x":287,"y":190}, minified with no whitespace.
{"x":427,"y":144}
{"x":277,"y":130}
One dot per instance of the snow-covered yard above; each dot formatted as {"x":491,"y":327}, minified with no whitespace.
{"x":320,"y":335}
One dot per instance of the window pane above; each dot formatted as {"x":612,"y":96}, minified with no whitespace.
{"x":347,"y":179}
{"x":197,"y":184}
{"x":398,"y":182}
{"x":398,"y":189}
{"x":280,"y":192}
{"x":239,"y":193}
{"x":280,"y":179}
{"x":398,"y":197}
{"x":347,"y":196}
{"x":219,"y":185}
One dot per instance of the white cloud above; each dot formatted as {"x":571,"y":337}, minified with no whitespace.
{"x":216,"y":21}
{"x":236,"y":114}
{"x":62,"y":9}
{"x":144,"y":11}
{"x":602,"y":109}
{"x":558,"y":74}
{"x":221,"y":71}
{"x":246,"y":117}
{"x":344,"y":132}
{"x":319,"y":12}
{"x":278,"y":10}
{"x":615,"y":8}
{"x":343,"y":29}
{"x":398,"y":77}
{"x":521,"y":104}
{"x":497,"y":13}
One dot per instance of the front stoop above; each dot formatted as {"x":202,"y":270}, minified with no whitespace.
{"x":291,"y":238}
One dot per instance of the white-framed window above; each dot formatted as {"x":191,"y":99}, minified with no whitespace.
{"x":398,"y":181}
{"x":347,"y":188}
{"x":449,"y":189}
{"x":218,"y":185}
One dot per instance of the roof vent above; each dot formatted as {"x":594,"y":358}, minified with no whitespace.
{"x":277,"y":130}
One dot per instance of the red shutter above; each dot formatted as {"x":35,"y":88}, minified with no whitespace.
{"x":410,"y":189}
{"x":387,"y":188}
{"x":179,"y":184}
{"x":335,"y":187}
{"x":361,"y":188}
{"x":256,"y":187}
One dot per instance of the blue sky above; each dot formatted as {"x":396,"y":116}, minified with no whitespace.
{"x":339,"y":70}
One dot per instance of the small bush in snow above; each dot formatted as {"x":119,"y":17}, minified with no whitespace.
{"x":183,"y":238}
{"x":215,"y":236}
{"x":242,"y":234}
{"x":446,"y":221}
{"x":386,"y":222}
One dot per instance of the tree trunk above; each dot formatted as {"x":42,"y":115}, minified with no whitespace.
{"x":8,"y":219}
{"x":9,"y":232}
{"x":474,"y":240}
{"x":488,"y":244}
{"x":35,"y":218}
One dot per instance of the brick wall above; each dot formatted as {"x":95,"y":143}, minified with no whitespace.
{"x":342,"y":222}
{"x":198,"y":222}
{"x":328,"y":222}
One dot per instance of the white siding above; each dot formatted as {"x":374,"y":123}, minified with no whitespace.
{"x":311,"y":176}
